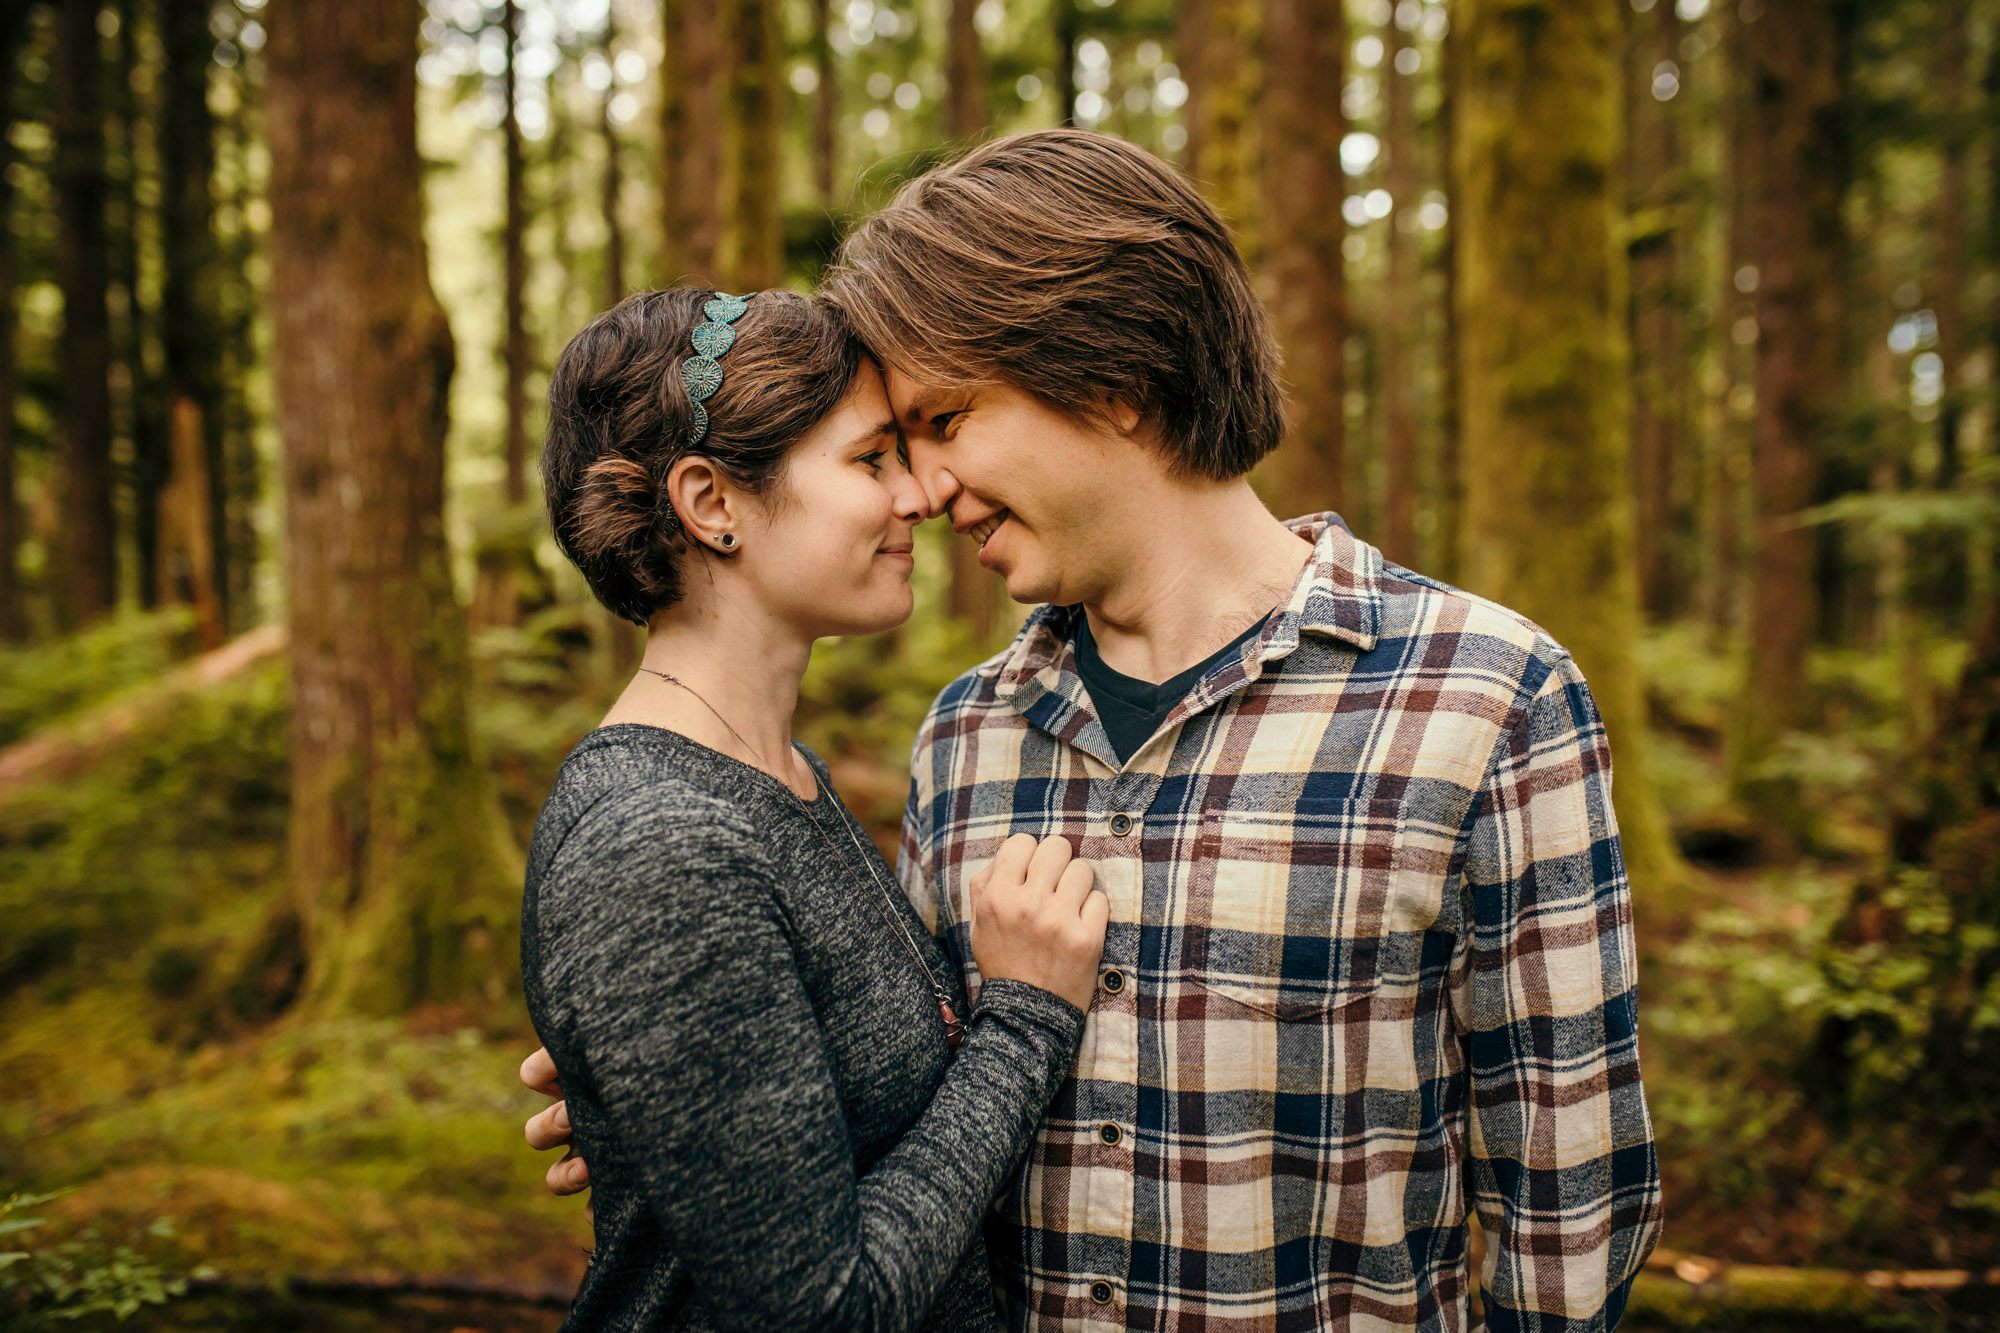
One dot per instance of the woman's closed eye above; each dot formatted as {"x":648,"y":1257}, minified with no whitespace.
{"x":873,"y":459}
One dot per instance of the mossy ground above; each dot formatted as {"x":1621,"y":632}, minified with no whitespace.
{"x":140,"y":1072}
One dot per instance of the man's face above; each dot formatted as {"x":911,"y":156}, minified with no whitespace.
{"x":1040,"y":490}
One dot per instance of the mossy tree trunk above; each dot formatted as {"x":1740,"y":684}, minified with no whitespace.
{"x":90,"y":535}
{"x":404,"y":882}
{"x":1538,"y":187}
{"x":190,"y":308}
{"x":1796,"y":180}
{"x":756,"y":224}
{"x":1222,"y":109}
{"x":514,"y":255}
{"x":1305,"y":42}
{"x":692,"y":92}
{"x":1659,"y":356}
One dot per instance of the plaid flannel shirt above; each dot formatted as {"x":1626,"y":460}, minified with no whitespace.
{"x":1369,"y":927}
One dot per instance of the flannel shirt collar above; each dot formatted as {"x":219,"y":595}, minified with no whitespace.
{"x":1337,"y":596}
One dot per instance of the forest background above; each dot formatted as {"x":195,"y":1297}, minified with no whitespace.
{"x":1674,"y":324}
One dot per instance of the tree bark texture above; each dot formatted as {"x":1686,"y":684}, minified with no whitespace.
{"x":1795,"y":182}
{"x":1947,"y":556}
{"x":964,"y":75}
{"x":1538,"y":187}
{"x":190,"y":296}
{"x":136,"y":409}
{"x":757,"y":229}
{"x":82,"y":251}
{"x":614,"y":178}
{"x":513,"y":229}
{"x":826,"y":107}
{"x":1401,"y":310}
{"x":1658,"y":427}
{"x":1223,"y":135}
{"x":1067,"y":35}
{"x":691,"y":128}
{"x":1306,"y":42}
{"x":13,"y":617}
{"x":404,"y":881}
{"x":1448,"y":532}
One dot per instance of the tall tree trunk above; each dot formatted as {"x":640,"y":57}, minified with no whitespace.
{"x":1400,"y":311}
{"x":513,"y":231}
{"x":964,"y":75}
{"x":404,"y":882}
{"x":1651,"y":184}
{"x":236,"y":477}
{"x":1306,"y":40}
{"x":136,"y":411}
{"x":691,"y":126}
{"x":1068,"y":33}
{"x":81,"y":253}
{"x":826,"y":107}
{"x":757,"y":227}
{"x":1448,"y":533}
{"x":1732,"y":454}
{"x":1796,"y":179}
{"x":614,"y":177}
{"x":1948,"y":556}
{"x":1222,"y":135}
{"x":1542,"y":309}
{"x":190,"y":314}
{"x":13,"y":617}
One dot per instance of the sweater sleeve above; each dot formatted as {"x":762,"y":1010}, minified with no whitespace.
{"x":705,"y":1054}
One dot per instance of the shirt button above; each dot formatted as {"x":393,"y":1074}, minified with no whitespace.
{"x":1120,"y":825}
{"x":1101,"y":1292}
{"x":1114,"y":981}
{"x":1109,"y":1134}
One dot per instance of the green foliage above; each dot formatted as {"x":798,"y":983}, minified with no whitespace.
{"x":189,"y":809}
{"x":77,"y":1280}
{"x":43,"y":683}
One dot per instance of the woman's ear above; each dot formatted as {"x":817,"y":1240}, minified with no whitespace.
{"x":710,"y":508}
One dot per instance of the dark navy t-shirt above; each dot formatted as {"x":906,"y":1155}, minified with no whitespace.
{"x":1132,"y":709}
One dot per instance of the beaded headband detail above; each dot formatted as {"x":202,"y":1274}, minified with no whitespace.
{"x":702,"y":372}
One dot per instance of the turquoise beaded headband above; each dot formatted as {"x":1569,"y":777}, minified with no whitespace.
{"x":702,"y":372}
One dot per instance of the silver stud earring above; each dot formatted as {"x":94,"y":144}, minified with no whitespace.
{"x":727,"y":541}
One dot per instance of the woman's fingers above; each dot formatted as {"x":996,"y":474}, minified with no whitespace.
{"x":538,"y":1071}
{"x":550,"y":1128}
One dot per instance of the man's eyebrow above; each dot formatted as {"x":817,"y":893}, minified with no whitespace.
{"x":921,"y":405}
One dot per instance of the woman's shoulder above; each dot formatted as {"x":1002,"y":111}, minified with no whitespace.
{"x":640,"y":795}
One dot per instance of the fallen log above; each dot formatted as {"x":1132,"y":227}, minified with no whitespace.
{"x":63,"y":749}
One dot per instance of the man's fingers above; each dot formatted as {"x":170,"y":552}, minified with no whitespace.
{"x":538,"y":1071}
{"x":569,"y":1176}
{"x":1050,"y":859}
{"x":1011,"y":865}
{"x":550,"y":1128}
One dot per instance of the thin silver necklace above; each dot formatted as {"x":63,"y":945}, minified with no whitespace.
{"x":954,"y":1027}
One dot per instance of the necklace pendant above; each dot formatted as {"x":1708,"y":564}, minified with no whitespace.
{"x":954,"y":1029}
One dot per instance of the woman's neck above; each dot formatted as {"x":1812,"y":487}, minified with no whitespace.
{"x":738,"y":677}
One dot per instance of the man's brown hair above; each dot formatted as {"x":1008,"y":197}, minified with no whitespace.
{"x":1083,"y":270}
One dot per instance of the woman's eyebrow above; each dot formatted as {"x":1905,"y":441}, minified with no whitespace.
{"x":869,"y":436}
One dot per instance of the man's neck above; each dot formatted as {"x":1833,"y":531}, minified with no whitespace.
{"x":1204,"y":566}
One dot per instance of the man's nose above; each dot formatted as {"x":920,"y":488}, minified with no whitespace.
{"x":939,"y":485}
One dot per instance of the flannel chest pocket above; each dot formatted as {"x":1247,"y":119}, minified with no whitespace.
{"x":1303,"y":911}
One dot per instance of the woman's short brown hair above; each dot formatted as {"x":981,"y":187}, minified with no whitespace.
{"x":619,"y":419}
{"x":1080,"y":269}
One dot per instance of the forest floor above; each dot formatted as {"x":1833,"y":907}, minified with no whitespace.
{"x":354,"y":1155}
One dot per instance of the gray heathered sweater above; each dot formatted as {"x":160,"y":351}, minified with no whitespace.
{"x":779,"y":1137}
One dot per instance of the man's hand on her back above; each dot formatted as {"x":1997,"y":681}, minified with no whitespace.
{"x":550,"y":1128}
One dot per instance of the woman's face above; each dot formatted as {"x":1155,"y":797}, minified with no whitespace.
{"x":831,"y":552}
